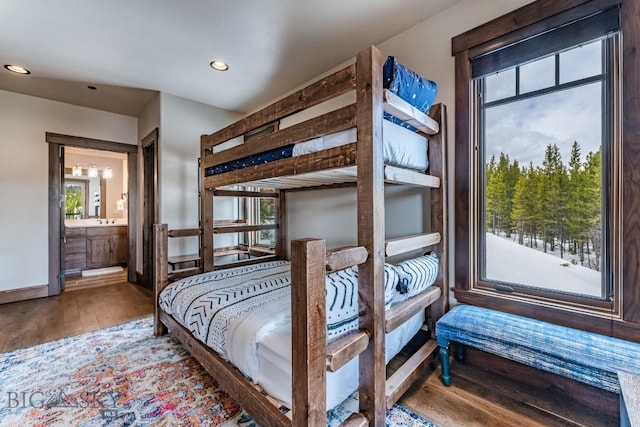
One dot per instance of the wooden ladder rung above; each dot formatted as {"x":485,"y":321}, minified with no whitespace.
{"x":345,"y":348}
{"x":183,"y":272}
{"x":219,"y":229}
{"x":183,"y":258}
{"x":340,"y":258}
{"x":409,"y":243}
{"x":186,"y":232}
{"x":410,"y":371}
{"x":356,"y":419}
{"x":245,"y":262}
{"x":396,"y":175}
{"x":239,"y":193}
{"x":406,"y":112}
{"x":405,"y":310}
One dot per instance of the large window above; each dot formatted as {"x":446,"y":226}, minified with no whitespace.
{"x":546,"y":140}
{"x":543,"y":221}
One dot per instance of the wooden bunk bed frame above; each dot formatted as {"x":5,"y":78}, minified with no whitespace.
{"x":310,"y":260}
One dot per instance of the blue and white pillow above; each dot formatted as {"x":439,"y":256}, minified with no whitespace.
{"x":342,"y":302}
{"x":391,"y":278}
{"x":416,"y":275}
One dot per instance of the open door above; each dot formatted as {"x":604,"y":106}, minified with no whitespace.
{"x":150,"y":209}
{"x":56,"y":218}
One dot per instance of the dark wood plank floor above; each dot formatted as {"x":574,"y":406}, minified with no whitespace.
{"x":475,"y":398}
{"x":85,"y":307}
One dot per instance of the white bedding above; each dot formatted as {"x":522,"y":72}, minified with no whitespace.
{"x":274,"y":361}
{"x":244,"y":314}
{"x":401,"y":146}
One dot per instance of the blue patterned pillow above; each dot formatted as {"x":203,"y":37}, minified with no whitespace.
{"x":416,"y":275}
{"x":408,"y":85}
{"x":391,"y":279}
{"x":342,"y":302}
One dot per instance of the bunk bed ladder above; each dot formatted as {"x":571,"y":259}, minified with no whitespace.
{"x":370,"y":211}
{"x":436,"y":297}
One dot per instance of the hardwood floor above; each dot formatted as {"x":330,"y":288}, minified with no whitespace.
{"x":85,"y":307}
{"x":475,"y":398}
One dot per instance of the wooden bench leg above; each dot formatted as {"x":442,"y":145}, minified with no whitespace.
{"x":444,"y":362}
{"x":459,"y":352}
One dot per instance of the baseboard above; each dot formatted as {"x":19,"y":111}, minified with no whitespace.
{"x":22,"y":294}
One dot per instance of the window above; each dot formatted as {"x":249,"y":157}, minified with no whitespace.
{"x":265,"y":208}
{"x":262,"y":210}
{"x":543,"y":220}
{"x":545,"y":149}
{"x":75,"y":195}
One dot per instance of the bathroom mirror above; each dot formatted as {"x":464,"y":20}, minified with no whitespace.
{"x":95,"y":185}
{"x":83,"y":197}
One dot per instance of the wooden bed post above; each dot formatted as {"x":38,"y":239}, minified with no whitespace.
{"x":439,"y":209}
{"x":281,"y":236}
{"x":206,"y":215}
{"x":160,"y":265}
{"x":309,"y":332}
{"x":371,"y":232}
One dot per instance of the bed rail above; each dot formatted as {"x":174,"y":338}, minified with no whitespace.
{"x":334,"y":85}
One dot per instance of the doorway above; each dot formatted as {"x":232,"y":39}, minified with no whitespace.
{"x":57,"y":211}
{"x":150,"y":208}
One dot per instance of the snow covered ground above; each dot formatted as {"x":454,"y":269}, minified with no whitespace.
{"x":508,"y":261}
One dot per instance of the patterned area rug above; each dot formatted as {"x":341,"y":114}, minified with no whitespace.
{"x":123,"y":376}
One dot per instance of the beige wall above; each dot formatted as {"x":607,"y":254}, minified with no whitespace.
{"x":24,"y":223}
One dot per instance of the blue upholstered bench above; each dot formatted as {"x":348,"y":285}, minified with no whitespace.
{"x":583,"y":356}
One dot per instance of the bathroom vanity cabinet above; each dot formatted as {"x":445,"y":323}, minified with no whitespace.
{"x":95,"y":247}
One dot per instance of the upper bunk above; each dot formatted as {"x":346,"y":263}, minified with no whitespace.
{"x":323,"y":150}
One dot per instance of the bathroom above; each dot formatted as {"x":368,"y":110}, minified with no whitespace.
{"x":96,"y":205}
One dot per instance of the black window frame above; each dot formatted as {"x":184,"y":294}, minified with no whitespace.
{"x":609,"y":43}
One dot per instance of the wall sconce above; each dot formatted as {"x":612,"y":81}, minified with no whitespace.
{"x":107,"y":173}
{"x":76,"y":170}
{"x":92,"y":172}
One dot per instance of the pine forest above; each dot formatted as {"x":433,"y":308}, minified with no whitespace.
{"x":553,"y":207}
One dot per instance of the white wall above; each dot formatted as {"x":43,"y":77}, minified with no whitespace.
{"x":182,"y":123}
{"x":24,"y":223}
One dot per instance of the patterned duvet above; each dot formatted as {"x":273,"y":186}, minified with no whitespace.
{"x":232,"y":310}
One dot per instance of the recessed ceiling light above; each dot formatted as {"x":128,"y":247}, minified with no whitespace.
{"x":17,"y":69}
{"x":219,"y":65}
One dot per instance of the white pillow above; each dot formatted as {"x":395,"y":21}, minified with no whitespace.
{"x":416,"y":275}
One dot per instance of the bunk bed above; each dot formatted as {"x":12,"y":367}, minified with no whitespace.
{"x":304,"y":283}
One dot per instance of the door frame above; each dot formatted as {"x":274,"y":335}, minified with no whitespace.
{"x":56,"y":231}
{"x":150,"y":208}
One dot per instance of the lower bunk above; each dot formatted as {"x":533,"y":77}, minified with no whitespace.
{"x":282,"y":334}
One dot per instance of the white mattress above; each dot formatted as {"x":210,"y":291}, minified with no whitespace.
{"x":274,"y":360}
{"x":401,"y":146}
{"x":244,"y":314}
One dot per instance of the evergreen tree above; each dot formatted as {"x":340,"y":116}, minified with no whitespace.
{"x":553,"y":178}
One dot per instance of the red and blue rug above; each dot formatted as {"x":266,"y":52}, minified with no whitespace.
{"x":123,"y":376}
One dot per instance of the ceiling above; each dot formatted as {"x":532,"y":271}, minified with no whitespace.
{"x":131,"y":50}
